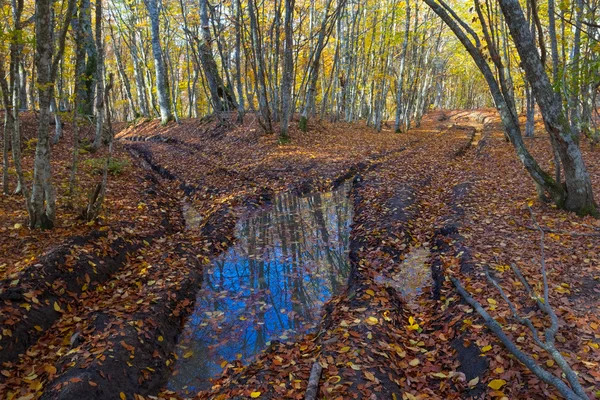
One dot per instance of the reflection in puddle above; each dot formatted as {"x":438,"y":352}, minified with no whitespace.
{"x":271,"y":285}
{"x":412,"y":276}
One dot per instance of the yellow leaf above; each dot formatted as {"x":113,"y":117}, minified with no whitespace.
{"x":122,"y":396}
{"x":370,"y":292}
{"x":255,"y":395}
{"x":344,"y":349}
{"x":473,"y":381}
{"x":160,"y":338}
{"x":440,"y":375}
{"x":370,"y":376}
{"x":354,"y":366}
{"x":26,"y":306}
{"x":223,"y":363}
{"x":51,"y":369}
{"x":414,"y":362}
{"x":411,"y":320}
{"x":188,"y":354}
{"x":335,"y":379}
{"x":496,"y":384}
{"x":486,"y":348}
{"x":550,"y":363}
{"x":57,"y":307}
{"x":372,"y":321}
{"x":492,"y":302}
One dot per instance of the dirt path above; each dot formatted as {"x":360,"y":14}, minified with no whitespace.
{"x":445,"y":199}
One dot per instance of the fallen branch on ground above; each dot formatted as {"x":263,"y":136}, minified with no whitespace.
{"x":561,"y":232}
{"x":575,"y":390}
{"x":313,"y":382}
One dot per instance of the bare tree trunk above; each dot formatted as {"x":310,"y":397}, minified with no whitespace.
{"x":97,"y":196}
{"x":79,"y":82}
{"x":159,"y":64}
{"x":530,"y":111}
{"x":221,"y":97}
{"x":288,"y":71}
{"x":579,"y":193}
{"x":238,"y":59}
{"x":8,"y":126}
{"x":259,"y":62}
{"x":98,"y":139}
{"x":43,"y":199}
{"x":400,"y":79}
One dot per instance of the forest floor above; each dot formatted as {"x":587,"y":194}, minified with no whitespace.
{"x":94,"y":310}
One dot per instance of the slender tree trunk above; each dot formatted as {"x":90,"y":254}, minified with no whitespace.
{"x":98,"y":139}
{"x":399,"y":90}
{"x":159,"y":63}
{"x":8,"y":125}
{"x":42,"y":196}
{"x":238,"y":59}
{"x":43,"y":199}
{"x":530,"y":112}
{"x":288,"y":71}
{"x":259,"y":62}
{"x":221,"y":97}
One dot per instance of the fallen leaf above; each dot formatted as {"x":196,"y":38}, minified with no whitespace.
{"x":496,"y":384}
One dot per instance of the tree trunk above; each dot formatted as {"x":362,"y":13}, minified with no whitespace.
{"x":221,"y":97}
{"x":98,"y":139}
{"x":530,"y":111}
{"x":259,"y":62}
{"x":42,"y":196}
{"x":288,"y":71}
{"x":159,"y":64}
{"x":579,"y":193}
{"x":399,"y":90}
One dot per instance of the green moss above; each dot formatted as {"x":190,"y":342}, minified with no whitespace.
{"x":303,"y":124}
{"x":115,"y":166}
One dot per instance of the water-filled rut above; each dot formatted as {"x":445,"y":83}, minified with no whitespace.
{"x":288,"y":260}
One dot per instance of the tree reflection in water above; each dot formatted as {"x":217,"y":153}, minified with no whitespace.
{"x":287,"y":261}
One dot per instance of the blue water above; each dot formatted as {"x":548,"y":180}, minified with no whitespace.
{"x":271,"y":285}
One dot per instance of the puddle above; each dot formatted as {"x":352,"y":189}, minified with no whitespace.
{"x":413,"y":274}
{"x":192,"y":217}
{"x":271,"y":285}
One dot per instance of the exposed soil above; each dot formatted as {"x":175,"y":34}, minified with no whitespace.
{"x":94,"y":311}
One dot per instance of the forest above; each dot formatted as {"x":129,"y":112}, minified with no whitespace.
{"x":300,"y":199}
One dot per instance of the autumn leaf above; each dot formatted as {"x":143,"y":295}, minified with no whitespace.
{"x":496,"y":384}
{"x":255,"y":395}
{"x":473,"y":382}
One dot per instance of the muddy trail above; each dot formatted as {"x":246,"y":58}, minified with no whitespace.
{"x":354,"y":280}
